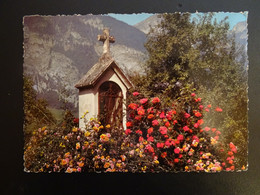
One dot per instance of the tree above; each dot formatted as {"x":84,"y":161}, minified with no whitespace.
{"x":36,"y":114}
{"x":199,"y":54}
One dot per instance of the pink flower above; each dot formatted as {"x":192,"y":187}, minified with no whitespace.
{"x":196,"y":125}
{"x":163,"y":130}
{"x":180,"y":137}
{"x":150,"y":139}
{"x":149,"y":148}
{"x":140,"y":111}
{"x":128,"y":131}
{"x":155,"y":100}
{"x":193,"y":95}
{"x":201,"y":107}
{"x":206,"y":128}
{"x":186,"y":115}
{"x":186,"y":128}
{"x":206,"y":109}
{"x":160,"y":145}
{"x":141,"y":139}
{"x":218,"y":109}
{"x":233,"y":147}
{"x":155,"y":123}
{"x":136,"y":93}
{"x":177,"y":150}
{"x":162,"y":115}
{"x":139,"y":132}
{"x":143,"y":101}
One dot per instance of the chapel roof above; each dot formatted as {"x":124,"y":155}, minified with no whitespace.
{"x":92,"y":76}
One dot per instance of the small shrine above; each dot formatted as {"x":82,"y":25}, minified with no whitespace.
{"x":102,"y":90}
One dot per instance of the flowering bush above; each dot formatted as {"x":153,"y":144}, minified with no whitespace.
{"x":157,"y":139}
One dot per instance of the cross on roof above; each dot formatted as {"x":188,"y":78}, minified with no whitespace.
{"x":106,"y":39}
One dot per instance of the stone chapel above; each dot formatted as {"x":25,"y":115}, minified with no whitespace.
{"x":102,"y":90}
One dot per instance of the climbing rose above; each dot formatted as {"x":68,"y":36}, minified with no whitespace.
{"x":164,"y":154}
{"x":143,"y":101}
{"x":136,"y":93}
{"x":201,"y":107}
{"x":139,"y":132}
{"x":163,"y":130}
{"x":140,"y":111}
{"x":150,"y":130}
{"x":155,"y":123}
{"x":128,"y":131}
{"x":150,"y":139}
{"x":155,"y":100}
{"x":160,"y":145}
{"x":186,"y":115}
{"x":132,"y":106}
{"x":176,"y":160}
{"x":186,"y":128}
{"x":150,"y":116}
{"x":198,"y":114}
{"x":193,"y":95}
{"x":129,"y":124}
{"x":180,"y":137}
{"x":218,"y":109}
{"x":162,"y":115}
{"x":177,"y":150}
{"x":167,"y":124}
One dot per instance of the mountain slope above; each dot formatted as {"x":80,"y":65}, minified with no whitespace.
{"x":59,"y":50}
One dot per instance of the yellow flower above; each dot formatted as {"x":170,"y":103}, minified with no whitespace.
{"x":108,"y":126}
{"x":186,"y":168}
{"x":95,"y":128}
{"x":119,"y":165}
{"x":145,"y":142}
{"x":156,"y":162}
{"x":144,"y":168}
{"x":81,"y":164}
{"x":66,"y":155}
{"x":77,"y":146}
{"x":62,"y":145}
{"x":66,"y":137}
{"x":213,"y":141}
{"x":108,"y":157}
{"x":106,"y":165}
{"x":87,"y":133}
{"x":63,"y":162}
{"x":243,"y":167}
{"x":74,"y":129}
{"x":101,"y":127}
{"x":86,"y":144}
{"x":141,"y":146}
{"x":137,"y":149}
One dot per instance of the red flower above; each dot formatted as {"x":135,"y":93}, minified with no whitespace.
{"x":139,"y":132}
{"x":218,"y":109}
{"x":150,"y":130}
{"x":213,"y":130}
{"x":175,"y":122}
{"x":230,"y":153}
{"x":76,"y":120}
{"x":155,"y":123}
{"x":150,"y":116}
{"x":233,"y":147}
{"x":200,"y":121}
{"x":136,"y":94}
{"x":162,"y":115}
{"x":164,"y":154}
{"x":196,"y":125}
{"x":138,"y":117}
{"x":209,"y":106}
{"x":176,"y":160}
{"x":133,"y":106}
{"x":155,"y":100}
{"x":206,"y":109}
{"x":167,"y":124}
{"x":143,"y":101}
{"x":198,"y":114}
{"x":160,"y":145}
{"x":128,"y":131}
{"x":193,"y":95}
{"x":177,"y":150}
{"x":180,"y":137}
{"x":201,"y":107}
{"x":206,"y":128}
{"x":198,"y":100}
{"x":129,"y":124}
{"x":150,"y":139}
{"x":163,"y":130}
{"x":150,"y":110}
{"x":186,"y":128}
{"x":218,"y":132}
{"x":141,"y":111}
{"x":186,"y":115}
{"x":141,"y":139}
{"x":149,"y":148}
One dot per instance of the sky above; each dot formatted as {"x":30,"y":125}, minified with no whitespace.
{"x":131,"y":19}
